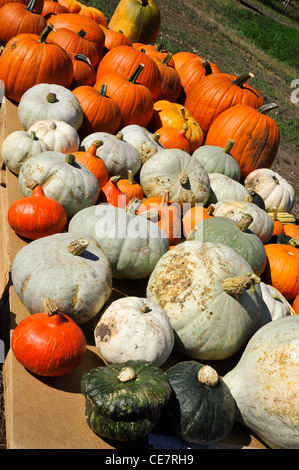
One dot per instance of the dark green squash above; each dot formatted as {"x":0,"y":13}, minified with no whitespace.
{"x":201,"y":409}
{"x":124,"y":401}
{"x":257,"y":199}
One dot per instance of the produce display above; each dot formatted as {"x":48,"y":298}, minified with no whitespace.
{"x":138,"y":167}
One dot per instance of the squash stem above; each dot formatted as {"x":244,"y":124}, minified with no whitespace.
{"x":81,"y":33}
{"x":78,"y":246}
{"x":31,"y":5}
{"x":239,"y":284}
{"x":267,"y":107}
{"x":166,"y":59}
{"x":51,"y":98}
{"x":136,"y":73}
{"x":244,"y":222}
{"x":207,"y":66}
{"x":103,"y":90}
{"x":49,"y":307}
{"x":229,"y":145}
{"x":69,"y":158}
{"x":126,"y":374}
{"x":45,"y":33}
{"x":208,"y":376}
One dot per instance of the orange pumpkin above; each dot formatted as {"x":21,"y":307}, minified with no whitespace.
{"x":181,"y":57}
{"x":129,"y":187}
{"x":16,"y":18}
{"x":83,"y":72}
{"x":94,"y":163}
{"x":49,"y":343}
{"x":94,"y":13}
{"x":36,"y":216}
{"x":296,"y":304}
{"x":112,"y":195}
{"x":125,"y":60}
{"x":215,"y":93}
{"x":195,"y":215}
{"x":133,"y":98}
{"x":156,"y":50}
{"x":292,"y":230}
{"x":38,"y":6}
{"x":171,"y":83}
{"x":282,"y":269}
{"x":48,"y":63}
{"x":256,"y":136}
{"x":165,"y":214}
{"x":72,"y":5}
{"x":101,"y":112}
{"x":171,"y":114}
{"x":192,"y":71}
{"x":173,"y":138}
{"x":52,"y":7}
{"x":115,"y":39}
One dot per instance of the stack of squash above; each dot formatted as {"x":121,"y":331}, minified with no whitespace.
{"x":124,"y":180}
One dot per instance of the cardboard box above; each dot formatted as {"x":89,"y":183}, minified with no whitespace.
{"x":48,"y":413}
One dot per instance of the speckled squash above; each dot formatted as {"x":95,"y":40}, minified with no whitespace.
{"x":209,"y":294}
{"x":264,"y":383}
{"x":224,"y":188}
{"x":72,"y":271}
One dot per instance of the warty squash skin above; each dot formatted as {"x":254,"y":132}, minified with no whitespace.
{"x":79,"y":282}
{"x":264,"y":384}
{"x":191,"y":283}
{"x":124,"y":401}
{"x":132,"y":243}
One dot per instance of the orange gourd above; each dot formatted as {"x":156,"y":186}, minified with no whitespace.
{"x":112,"y":195}
{"x":195,"y":215}
{"x":36,"y":216}
{"x":49,"y":343}
{"x":94,"y":163}
{"x":282,"y":269}
{"x":165,"y":214}
{"x":115,"y":39}
{"x":129,"y":187}
{"x":16,"y":18}
{"x":134,"y":99}
{"x":181,"y":57}
{"x":171,"y":82}
{"x":52,"y":7}
{"x":192,"y":71}
{"x":94,"y":13}
{"x":72,"y":5}
{"x":173,"y":138}
{"x":101,"y":112}
{"x":38,"y":7}
{"x":83,"y":72}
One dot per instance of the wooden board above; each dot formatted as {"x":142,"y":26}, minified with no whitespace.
{"x":48,"y":413}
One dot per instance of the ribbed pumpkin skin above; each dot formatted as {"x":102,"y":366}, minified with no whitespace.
{"x":196,"y":412}
{"x":44,"y":63}
{"x":139,"y":20}
{"x":38,"y":7}
{"x":214,"y":93}
{"x":256,"y":137}
{"x":124,"y":410}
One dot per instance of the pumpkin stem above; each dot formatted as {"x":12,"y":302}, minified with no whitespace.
{"x":208,"y":376}
{"x":160,"y":45}
{"x":244,"y":222}
{"x":97,"y":143}
{"x":239,"y":284}
{"x":83,"y":58}
{"x":267,"y":107}
{"x":49,"y":307}
{"x":155,"y":137}
{"x":182,"y":109}
{"x":53,"y":126}
{"x":70,"y":158}
{"x":210,"y":210}
{"x":78,"y":246}
{"x":165,"y":198}
{"x":274,"y":215}
{"x":207,"y":66}
{"x":151,"y":214}
{"x":248,"y":198}
{"x":33,"y":135}
{"x":144,"y":3}
{"x":44,"y":34}
{"x":114,"y":179}
{"x":103,"y":90}
{"x":167,"y":58}
{"x":119,"y":135}
{"x":31,"y":5}
{"x":145,"y":308}
{"x":130,"y":177}
{"x":183,"y":178}
{"x":240,"y":81}
{"x":229,"y":145}
{"x":51,"y":98}
{"x":82,"y":33}
{"x":136,"y":73}
{"x":126,"y":374}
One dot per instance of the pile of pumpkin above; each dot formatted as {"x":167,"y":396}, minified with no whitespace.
{"x":138,"y":164}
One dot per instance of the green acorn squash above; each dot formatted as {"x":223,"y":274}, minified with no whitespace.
{"x":124,"y":401}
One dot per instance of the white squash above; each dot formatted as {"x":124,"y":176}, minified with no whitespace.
{"x":134,"y":328}
{"x":262,"y":224}
{"x":275,"y":190}
{"x":58,"y":135}
{"x":62,"y":178}
{"x":118,"y":155}
{"x":18,"y":146}
{"x":73,"y":271}
{"x":46,"y":101}
{"x":144,"y":141}
{"x":177,"y":172}
{"x":205,"y":290}
{"x":264,"y":383}
{"x":132,"y":243}
{"x":274,"y":305}
{"x":224,"y":188}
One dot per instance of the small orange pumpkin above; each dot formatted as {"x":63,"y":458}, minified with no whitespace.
{"x":292,"y":230}
{"x":49,"y":343}
{"x":195,"y":215}
{"x":94,"y":163}
{"x":129,"y":187}
{"x":296,"y":304}
{"x":112,"y":195}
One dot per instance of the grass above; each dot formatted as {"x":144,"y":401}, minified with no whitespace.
{"x":279,"y":41}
